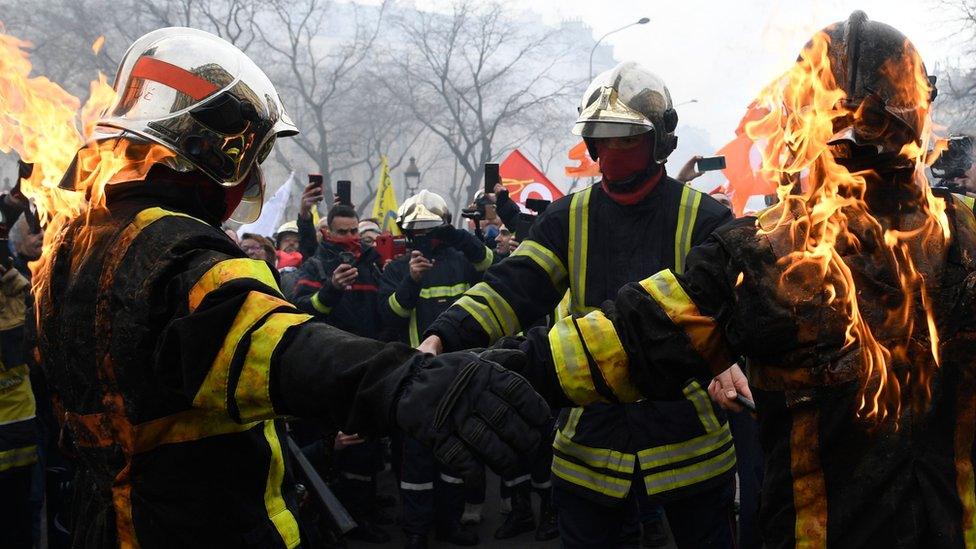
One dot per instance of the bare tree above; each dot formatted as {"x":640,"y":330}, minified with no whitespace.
{"x":956,"y":105}
{"x":470,"y":77}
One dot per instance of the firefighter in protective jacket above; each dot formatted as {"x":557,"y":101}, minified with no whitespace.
{"x":636,"y":222}
{"x":853,"y":300}
{"x":171,"y":353}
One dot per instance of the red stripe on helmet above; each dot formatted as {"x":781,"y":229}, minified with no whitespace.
{"x":175,"y":77}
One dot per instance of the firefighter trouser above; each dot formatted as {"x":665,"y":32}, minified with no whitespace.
{"x":534,"y":468}
{"x":749,"y":462}
{"x":430,"y":494}
{"x":357,"y":466}
{"x":16,"y":514}
{"x":704,"y":519}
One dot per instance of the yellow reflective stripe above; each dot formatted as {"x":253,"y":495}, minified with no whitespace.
{"x":545,"y":259}
{"x":319,"y":306}
{"x":212,"y":394}
{"x":438,"y":292}
{"x":398,"y":309}
{"x":563,"y":309}
{"x":687,"y":214}
{"x":604,"y":346}
{"x":17,"y":401}
{"x":227,"y":271}
{"x":253,"y":392}
{"x":703,"y":405}
{"x":668,"y":454}
{"x":482,"y":315}
{"x":599,"y":458}
{"x":672,"y":479}
{"x":278,"y":512}
{"x":579,"y":219}
{"x":702,"y":330}
{"x":186,"y":426}
{"x":581,"y":476}
{"x":483,"y":265}
{"x":502,"y":310}
{"x":18,"y":457}
{"x":414,"y":331}
{"x":572,"y":367}
{"x":969,"y":201}
{"x":569,"y":430}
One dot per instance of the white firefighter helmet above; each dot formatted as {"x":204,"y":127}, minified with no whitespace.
{"x":203,"y":98}
{"x":624,"y":101}
{"x":289,"y":227}
{"x":424,"y":210}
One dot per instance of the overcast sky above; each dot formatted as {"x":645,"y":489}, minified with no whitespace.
{"x":722,"y":53}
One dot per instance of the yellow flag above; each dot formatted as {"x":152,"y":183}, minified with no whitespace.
{"x":385,"y":206}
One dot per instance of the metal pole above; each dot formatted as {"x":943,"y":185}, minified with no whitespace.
{"x":641,"y":21}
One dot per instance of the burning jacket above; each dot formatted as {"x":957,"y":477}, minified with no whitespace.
{"x":171,"y":355}
{"x":857,"y":453}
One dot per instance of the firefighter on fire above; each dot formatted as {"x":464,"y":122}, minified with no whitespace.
{"x":171,"y":353}
{"x":636,"y":222}
{"x":850,"y":460}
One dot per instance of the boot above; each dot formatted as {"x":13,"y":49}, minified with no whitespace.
{"x":472,"y":514}
{"x":415,"y":541}
{"x":457,"y":535}
{"x":548,"y":527}
{"x":521,"y":519}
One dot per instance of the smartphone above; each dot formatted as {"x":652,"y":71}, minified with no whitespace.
{"x":711,"y":163}
{"x":491,"y":177}
{"x":315,"y":179}
{"x":344,"y":192}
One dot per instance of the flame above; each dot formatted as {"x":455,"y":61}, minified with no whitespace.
{"x":48,"y":127}
{"x":825,"y":213}
{"x":97,"y":44}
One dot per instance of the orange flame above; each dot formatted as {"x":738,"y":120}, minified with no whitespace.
{"x":40,"y":121}
{"x":97,"y":44}
{"x":824,"y":213}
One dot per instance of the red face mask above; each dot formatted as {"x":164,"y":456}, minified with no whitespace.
{"x":289,"y":259}
{"x":349,"y":244}
{"x":620,"y":164}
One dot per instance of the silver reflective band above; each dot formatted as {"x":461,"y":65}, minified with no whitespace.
{"x":416,"y":487}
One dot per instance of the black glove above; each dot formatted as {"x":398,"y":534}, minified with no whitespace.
{"x":448,"y":234}
{"x":469,"y":410}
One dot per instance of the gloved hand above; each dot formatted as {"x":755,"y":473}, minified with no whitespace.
{"x":469,"y":410}
{"x":448,"y":234}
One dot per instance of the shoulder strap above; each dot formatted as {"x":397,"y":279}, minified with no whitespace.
{"x":579,"y":220}
{"x":687,"y":215}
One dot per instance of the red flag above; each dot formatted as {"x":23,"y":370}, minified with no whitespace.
{"x":743,"y":161}
{"x":523,"y":180}
{"x":586,"y":167}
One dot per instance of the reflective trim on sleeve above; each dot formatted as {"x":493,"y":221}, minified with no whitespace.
{"x":483,"y":265}
{"x":502,"y":310}
{"x":319,"y":306}
{"x":703,"y":405}
{"x":212,"y":394}
{"x":579,"y":219}
{"x":545,"y":259}
{"x":572,"y":366}
{"x":601,"y":340}
{"x":398,"y":309}
{"x":581,"y":476}
{"x":705,"y":336}
{"x":687,"y":215}
{"x":18,"y":457}
{"x":230,"y":270}
{"x":282,"y":518}
{"x":253,"y":392}
{"x":482,"y":314}
{"x":672,"y":479}
{"x":443,"y":292}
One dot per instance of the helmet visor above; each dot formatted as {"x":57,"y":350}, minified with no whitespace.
{"x":249,"y":209}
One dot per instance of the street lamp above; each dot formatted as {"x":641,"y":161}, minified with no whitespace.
{"x":411,"y":177}
{"x":641,"y":21}
{"x":687,"y":102}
